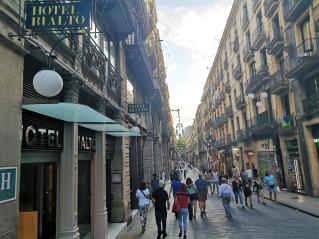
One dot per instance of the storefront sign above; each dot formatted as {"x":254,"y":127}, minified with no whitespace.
{"x":8,"y":184}
{"x":46,"y":15}
{"x":40,"y":137}
{"x":86,"y":143}
{"x":138,"y":108}
{"x":265,"y":145}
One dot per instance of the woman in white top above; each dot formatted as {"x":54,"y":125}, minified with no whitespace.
{"x":143,"y":195}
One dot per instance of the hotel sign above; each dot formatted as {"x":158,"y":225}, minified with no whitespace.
{"x":8,"y":184}
{"x":57,"y":15}
{"x":138,"y":108}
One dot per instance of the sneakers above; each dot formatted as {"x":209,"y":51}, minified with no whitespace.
{"x":164,"y":235}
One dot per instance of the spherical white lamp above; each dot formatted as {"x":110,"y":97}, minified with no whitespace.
{"x":259,"y":104}
{"x":251,"y":96}
{"x":264,"y":94}
{"x":47,"y":83}
{"x":136,"y":129}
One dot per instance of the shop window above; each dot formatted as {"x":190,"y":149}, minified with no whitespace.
{"x":312,"y":87}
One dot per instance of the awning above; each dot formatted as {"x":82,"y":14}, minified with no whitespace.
{"x":83,"y":115}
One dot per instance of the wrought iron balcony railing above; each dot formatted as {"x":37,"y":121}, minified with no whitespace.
{"x":237,"y":72}
{"x":306,"y":58}
{"x":229,"y":111}
{"x":258,"y":36}
{"x":275,"y":42}
{"x":242,"y":135}
{"x":219,"y":143}
{"x":294,"y":8}
{"x":240,"y":102}
{"x":261,"y":120}
{"x":248,"y":53}
{"x":287,"y":125}
{"x":220,"y":120}
{"x":257,"y":81}
{"x":278,"y":83}
{"x":270,"y":7}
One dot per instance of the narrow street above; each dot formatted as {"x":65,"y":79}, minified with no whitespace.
{"x":263,"y":221}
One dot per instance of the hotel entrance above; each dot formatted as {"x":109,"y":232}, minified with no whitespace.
{"x":38,"y":194}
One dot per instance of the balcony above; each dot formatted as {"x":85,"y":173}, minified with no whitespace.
{"x":243,"y":135}
{"x":261,"y":121}
{"x":258,"y":80}
{"x":275,"y":43}
{"x":270,"y":7}
{"x":287,"y":125}
{"x":229,"y":139}
{"x":248,"y":53}
{"x":229,"y":111}
{"x":306,"y":58}
{"x":278,"y":83}
{"x":245,"y":22}
{"x":219,"y":143}
{"x":294,"y":8}
{"x":255,"y":4}
{"x":220,"y":120}
{"x":258,"y":36}
{"x":227,"y":86}
{"x":226,"y":64}
{"x":311,"y":105}
{"x":237,"y":72}
{"x":240,"y":102}
{"x":222,"y":96}
{"x":236,"y":45}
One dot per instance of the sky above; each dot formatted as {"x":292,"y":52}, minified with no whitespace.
{"x":190,"y":31}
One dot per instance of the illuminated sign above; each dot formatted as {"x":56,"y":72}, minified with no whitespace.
{"x":8,"y":184}
{"x":57,"y":15}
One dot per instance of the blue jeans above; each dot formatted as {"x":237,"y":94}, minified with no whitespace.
{"x":226,"y":204}
{"x":183,"y":218}
{"x":239,"y":194}
{"x":215,"y":185}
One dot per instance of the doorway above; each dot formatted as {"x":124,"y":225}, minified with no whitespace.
{"x":38,"y":192}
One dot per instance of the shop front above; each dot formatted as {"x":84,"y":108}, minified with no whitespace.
{"x":266,"y":157}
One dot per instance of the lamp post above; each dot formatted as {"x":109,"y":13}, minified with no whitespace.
{"x":179,"y":126}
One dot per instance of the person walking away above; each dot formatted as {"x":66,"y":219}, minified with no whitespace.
{"x":215,"y":181}
{"x":208,"y":178}
{"x":270,"y":181}
{"x":225,"y":193}
{"x":242,"y":174}
{"x":259,"y":190}
{"x":182,"y":199}
{"x":238,"y":190}
{"x":202,"y":189}
{"x":249,"y":173}
{"x":247,"y":192}
{"x":154,"y":182}
{"x":255,"y":172}
{"x":143,"y":194}
{"x":161,"y":203}
{"x":193,"y":196}
{"x":175,"y":187}
{"x":229,"y":172}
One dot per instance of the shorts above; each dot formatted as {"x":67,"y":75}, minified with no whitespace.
{"x":193,"y":196}
{"x":202,"y":197}
{"x":271,"y":188}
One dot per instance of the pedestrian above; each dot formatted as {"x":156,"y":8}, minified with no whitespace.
{"x":259,"y":190}
{"x":255,"y":172}
{"x":247,"y":192}
{"x":238,"y":191}
{"x":242,"y":174}
{"x":193,"y":196}
{"x":249,"y":173}
{"x":202,"y":189}
{"x":182,"y":199}
{"x":229,"y":172}
{"x":163,"y":176}
{"x":270,"y":181}
{"x":208,"y":178}
{"x":154,"y":182}
{"x":234,"y":172}
{"x":215,"y":181}
{"x":143,"y":194}
{"x":175,"y":187}
{"x":185,"y":173}
{"x":225,"y":193}
{"x":161,"y":204}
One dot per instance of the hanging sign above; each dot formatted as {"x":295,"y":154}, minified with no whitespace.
{"x":138,"y":108}
{"x":8,"y":184}
{"x":57,"y":15}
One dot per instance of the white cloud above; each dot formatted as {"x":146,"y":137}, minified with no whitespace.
{"x":197,"y":31}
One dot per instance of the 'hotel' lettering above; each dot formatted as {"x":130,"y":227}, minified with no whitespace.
{"x":5,"y":181}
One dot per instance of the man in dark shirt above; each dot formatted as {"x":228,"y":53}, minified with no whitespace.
{"x":160,"y":199}
{"x":154,"y":182}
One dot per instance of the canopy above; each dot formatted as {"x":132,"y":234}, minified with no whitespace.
{"x":83,"y":115}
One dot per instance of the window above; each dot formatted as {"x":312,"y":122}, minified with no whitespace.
{"x":229,"y":100}
{"x":112,"y":53}
{"x":95,"y":36}
{"x":286,"y":105}
{"x":245,"y":11}
{"x":245,"y":120}
{"x":241,"y":88}
{"x":259,"y":20}
{"x":248,"y":40}
{"x":252,"y":69}
{"x":263,"y":57}
{"x":238,"y":123}
{"x":130,"y":91}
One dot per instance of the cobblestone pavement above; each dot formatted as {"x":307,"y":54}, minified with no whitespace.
{"x":269,"y":221}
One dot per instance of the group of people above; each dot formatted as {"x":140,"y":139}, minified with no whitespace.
{"x":189,"y":195}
